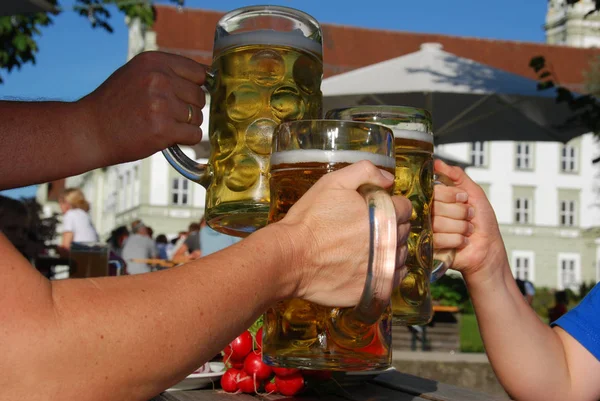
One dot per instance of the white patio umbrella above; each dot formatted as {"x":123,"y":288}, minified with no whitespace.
{"x":469,"y":101}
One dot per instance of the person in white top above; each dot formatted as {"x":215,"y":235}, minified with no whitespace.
{"x":77,"y":224}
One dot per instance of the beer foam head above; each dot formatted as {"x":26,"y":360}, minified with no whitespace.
{"x":268,"y":37}
{"x":410,"y":134}
{"x":298,"y":156}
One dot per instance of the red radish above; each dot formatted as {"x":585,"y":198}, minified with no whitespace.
{"x":229,"y":380}
{"x":247,"y":383}
{"x":285,"y":372}
{"x":290,"y":385}
{"x":271,"y":387}
{"x":258,"y":339}
{"x":239,"y":348}
{"x":253,"y":365}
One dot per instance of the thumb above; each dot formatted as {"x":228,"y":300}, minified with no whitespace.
{"x":357,"y":174}
{"x":458,"y":176}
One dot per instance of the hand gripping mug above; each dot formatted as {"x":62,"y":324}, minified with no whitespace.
{"x":301,"y":334}
{"x":267,"y":69}
{"x":414,"y":179}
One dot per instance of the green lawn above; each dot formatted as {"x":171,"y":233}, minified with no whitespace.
{"x":470,"y":340}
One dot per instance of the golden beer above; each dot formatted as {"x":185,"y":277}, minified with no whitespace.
{"x":413,"y":140}
{"x":267,"y":69}
{"x":258,"y":87}
{"x":297,"y":332}
{"x":411,"y":302}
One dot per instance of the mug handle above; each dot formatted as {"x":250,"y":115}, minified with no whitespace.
{"x":187,"y":167}
{"x":381,"y":270}
{"x":442,"y":258}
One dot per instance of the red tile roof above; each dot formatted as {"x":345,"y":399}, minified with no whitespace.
{"x":190,"y":32}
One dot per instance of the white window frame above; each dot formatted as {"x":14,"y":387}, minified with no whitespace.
{"x":567,"y":213}
{"x":121,"y":201}
{"x":128,"y":190}
{"x":523,"y":156}
{"x":517,"y":266}
{"x":181,"y":187}
{"x":478,"y":154}
{"x":522,"y":211}
{"x":568,"y":258}
{"x":568,"y":159}
{"x":136,"y":185}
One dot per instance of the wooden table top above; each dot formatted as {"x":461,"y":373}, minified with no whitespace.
{"x":388,"y":386}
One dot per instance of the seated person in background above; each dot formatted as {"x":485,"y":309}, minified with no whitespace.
{"x":190,"y":247}
{"x":76,"y":224}
{"x":139,"y":245}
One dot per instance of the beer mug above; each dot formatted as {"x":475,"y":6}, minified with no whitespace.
{"x":414,"y":179}
{"x":267,"y":69}
{"x":301,"y":334}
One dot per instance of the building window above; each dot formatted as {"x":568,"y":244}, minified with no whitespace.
{"x":567,"y":213}
{"x":522,"y":210}
{"x":568,"y":273}
{"x":136,"y":186}
{"x":180,"y":191}
{"x":522,"y":268}
{"x":523,"y":159}
{"x":568,"y":159}
{"x":478,"y":158}
{"x":121,"y":194}
{"x":127,"y":190}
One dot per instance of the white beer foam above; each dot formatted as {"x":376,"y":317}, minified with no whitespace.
{"x":295,"y":39}
{"x":409,"y":134}
{"x":330,"y":156}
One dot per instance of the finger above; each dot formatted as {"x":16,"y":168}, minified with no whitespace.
{"x":458,"y":176}
{"x":357,"y":174}
{"x":403,"y":210}
{"x":449,"y":241}
{"x":188,"y":69}
{"x":186,"y":134}
{"x":189,"y":92}
{"x":403,"y":232}
{"x":457,"y":211}
{"x":182,"y":112}
{"x":446,"y":194}
{"x":446,"y":225}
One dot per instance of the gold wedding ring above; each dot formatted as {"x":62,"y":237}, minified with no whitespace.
{"x":190,"y":113}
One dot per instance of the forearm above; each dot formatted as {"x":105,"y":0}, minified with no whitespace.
{"x":135,"y":336}
{"x":43,"y":141}
{"x":525,"y":353}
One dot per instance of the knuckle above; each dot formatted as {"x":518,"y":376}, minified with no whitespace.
{"x":368,"y":167}
{"x":158,"y":105}
{"x":158,"y":80}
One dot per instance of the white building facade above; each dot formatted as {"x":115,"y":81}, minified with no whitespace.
{"x":545,"y":196}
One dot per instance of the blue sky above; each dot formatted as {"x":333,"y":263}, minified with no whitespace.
{"x":74,"y":58}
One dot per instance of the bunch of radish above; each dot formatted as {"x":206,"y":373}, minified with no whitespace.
{"x":247,"y":373}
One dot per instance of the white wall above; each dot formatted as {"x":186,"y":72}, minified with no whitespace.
{"x":546,"y":178}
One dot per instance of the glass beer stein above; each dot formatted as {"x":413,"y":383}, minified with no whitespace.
{"x":414,"y":179}
{"x":300,"y":334}
{"x":267,"y":69}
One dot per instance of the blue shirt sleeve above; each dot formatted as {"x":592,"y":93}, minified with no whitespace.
{"x":583,"y":322}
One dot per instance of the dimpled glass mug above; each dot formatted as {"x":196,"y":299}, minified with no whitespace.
{"x":301,"y":334}
{"x":414,"y":179}
{"x":267,"y":69}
